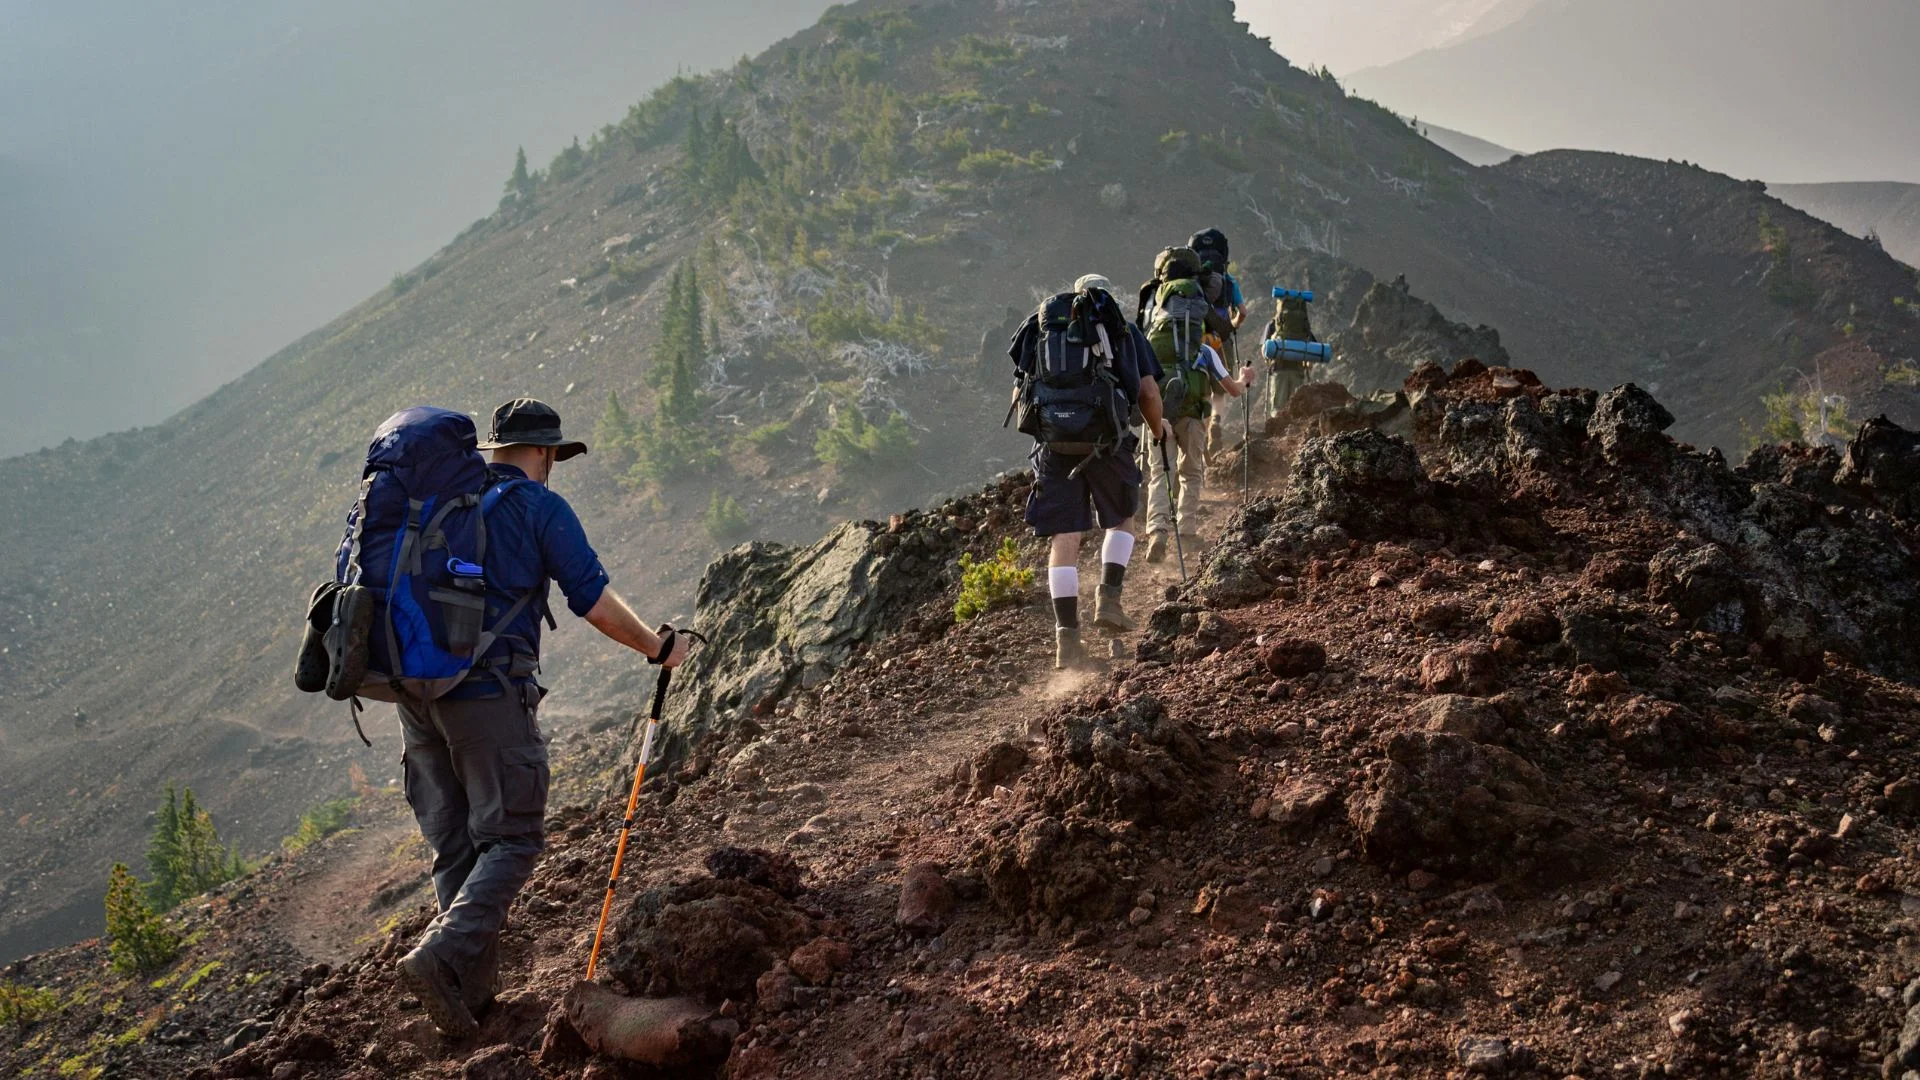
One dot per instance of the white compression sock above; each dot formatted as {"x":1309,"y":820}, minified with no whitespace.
{"x":1064,"y":581}
{"x":1118,"y":548}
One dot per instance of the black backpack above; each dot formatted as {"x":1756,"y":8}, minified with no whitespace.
{"x":1070,"y":397}
{"x":1212,"y":247}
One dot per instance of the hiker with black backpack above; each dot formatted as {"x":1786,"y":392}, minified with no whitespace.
{"x":1229,"y":305}
{"x":1177,"y":319}
{"x":1078,"y":379}
{"x":437,"y":603}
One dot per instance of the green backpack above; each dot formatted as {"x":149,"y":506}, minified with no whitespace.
{"x":1293,"y":322}
{"x":1177,"y":329}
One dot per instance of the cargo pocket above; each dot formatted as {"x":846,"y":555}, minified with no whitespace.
{"x":524,"y":777}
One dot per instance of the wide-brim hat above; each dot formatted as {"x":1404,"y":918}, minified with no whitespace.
{"x":530,"y":422}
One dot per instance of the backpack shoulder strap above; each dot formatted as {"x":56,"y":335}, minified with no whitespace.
{"x":487,"y":502}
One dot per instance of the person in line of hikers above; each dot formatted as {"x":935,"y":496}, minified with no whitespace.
{"x":1229,"y":307}
{"x":475,"y":762}
{"x":1079,"y":375}
{"x":1176,"y":317}
{"x":1291,"y":322}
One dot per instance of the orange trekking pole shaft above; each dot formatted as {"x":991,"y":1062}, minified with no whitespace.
{"x":633,"y":799}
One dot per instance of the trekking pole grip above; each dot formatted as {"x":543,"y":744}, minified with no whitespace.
{"x":660,"y":693}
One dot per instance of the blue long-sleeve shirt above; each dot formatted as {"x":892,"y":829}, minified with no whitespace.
{"x":533,"y":538}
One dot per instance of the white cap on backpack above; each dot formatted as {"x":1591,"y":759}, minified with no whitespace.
{"x":1093,"y":281}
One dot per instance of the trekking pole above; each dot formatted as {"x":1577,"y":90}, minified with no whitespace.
{"x":633,"y":800}
{"x":1173,"y":509}
{"x":1246,"y":449}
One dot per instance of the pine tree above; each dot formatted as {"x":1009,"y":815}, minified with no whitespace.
{"x":676,"y":441}
{"x":696,"y":148}
{"x":693,"y":344}
{"x":614,"y":435}
{"x":184,"y":854}
{"x":137,"y":939}
{"x":163,"y":852}
{"x":522,"y":183}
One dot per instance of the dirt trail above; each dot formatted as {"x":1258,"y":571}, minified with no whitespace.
{"x":338,"y":899}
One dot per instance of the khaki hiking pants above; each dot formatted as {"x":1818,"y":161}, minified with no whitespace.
{"x":1224,"y":416}
{"x":1284,"y":378}
{"x":1188,"y":449}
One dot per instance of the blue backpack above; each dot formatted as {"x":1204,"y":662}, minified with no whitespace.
{"x":408,"y":619}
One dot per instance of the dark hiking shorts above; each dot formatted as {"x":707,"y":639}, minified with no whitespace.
{"x":1108,"y":488}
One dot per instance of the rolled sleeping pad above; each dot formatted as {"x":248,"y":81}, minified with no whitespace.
{"x":1305,"y":352}
{"x":1291,"y":294}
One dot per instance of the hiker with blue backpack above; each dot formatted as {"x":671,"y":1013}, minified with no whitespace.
{"x":437,"y":604}
{"x":1290,"y":348}
{"x":1081,"y":371}
{"x":1177,"y":318}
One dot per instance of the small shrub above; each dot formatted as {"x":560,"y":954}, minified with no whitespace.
{"x":851,"y":444}
{"x":138,"y":940}
{"x":724,"y":519}
{"x":401,"y":283}
{"x":22,"y":1006}
{"x":1905,"y":373}
{"x":1228,"y":153}
{"x":1803,"y":417}
{"x":319,"y":823}
{"x":989,"y":164}
{"x":974,"y":53}
{"x":771,"y":437}
{"x":200,"y":976}
{"x":990,"y":583}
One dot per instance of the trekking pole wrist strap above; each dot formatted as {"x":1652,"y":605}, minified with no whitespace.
{"x":668,"y":638}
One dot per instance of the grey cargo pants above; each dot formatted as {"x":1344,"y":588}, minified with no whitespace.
{"x":476,"y":776}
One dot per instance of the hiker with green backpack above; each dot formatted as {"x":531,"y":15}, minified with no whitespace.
{"x":1177,"y":317}
{"x":1081,"y":371}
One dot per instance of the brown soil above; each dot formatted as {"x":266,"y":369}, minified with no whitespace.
{"x":1461,"y":792}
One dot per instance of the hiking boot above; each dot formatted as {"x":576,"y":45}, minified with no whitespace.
{"x":1107,"y":612}
{"x":1068,"y":653}
{"x":433,"y":983}
{"x":1157,"y":548}
{"x":481,"y":982}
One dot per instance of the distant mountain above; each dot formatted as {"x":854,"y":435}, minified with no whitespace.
{"x":1467,"y":148}
{"x":1782,"y":89}
{"x":1889,"y":211}
{"x":1354,"y":34}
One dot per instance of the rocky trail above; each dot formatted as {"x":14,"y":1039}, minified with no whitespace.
{"x":1500,"y":735}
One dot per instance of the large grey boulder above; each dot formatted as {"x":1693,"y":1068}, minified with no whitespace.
{"x":784,"y":619}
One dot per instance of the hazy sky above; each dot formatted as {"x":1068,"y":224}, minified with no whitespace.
{"x":1347,"y":35}
{"x":1775,"y":90}
{"x":185,"y":187}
